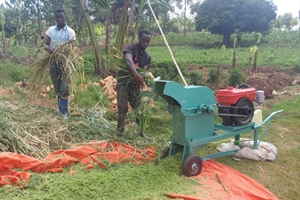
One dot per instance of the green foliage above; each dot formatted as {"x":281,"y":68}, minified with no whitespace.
{"x":285,"y":21}
{"x":188,"y":55}
{"x":90,"y":97}
{"x":213,"y":75}
{"x":110,"y":115}
{"x":225,"y":17}
{"x":195,"y":78}
{"x":205,"y":40}
{"x":88,"y":62}
{"x":201,"y":39}
{"x":297,"y":68}
{"x":236,"y":77}
{"x":246,"y":39}
{"x":10,"y":72}
{"x":282,"y":39}
{"x":167,"y":71}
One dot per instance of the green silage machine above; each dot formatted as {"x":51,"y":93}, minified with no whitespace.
{"x":193,"y":110}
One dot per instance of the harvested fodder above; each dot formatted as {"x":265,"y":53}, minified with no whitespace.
{"x":36,"y":130}
{"x":124,"y":75}
{"x":67,"y":56}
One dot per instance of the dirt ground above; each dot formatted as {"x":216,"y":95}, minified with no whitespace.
{"x":273,"y":81}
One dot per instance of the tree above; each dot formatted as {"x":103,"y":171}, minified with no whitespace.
{"x":184,"y":4}
{"x":224,"y":17}
{"x":285,"y":21}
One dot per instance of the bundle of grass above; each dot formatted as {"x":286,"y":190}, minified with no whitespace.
{"x":68,"y":55}
{"x":126,"y":77}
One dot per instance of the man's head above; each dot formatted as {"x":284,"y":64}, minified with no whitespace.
{"x":60,"y":17}
{"x":144,"y":38}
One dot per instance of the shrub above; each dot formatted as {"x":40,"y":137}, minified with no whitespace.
{"x":89,"y":63}
{"x":90,"y":97}
{"x":10,"y":72}
{"x":195,"y":78}
{"x":167,"y":71}
{"x":297,"y":68}
{"x":236,"y":76}
{"x":213,"y":75}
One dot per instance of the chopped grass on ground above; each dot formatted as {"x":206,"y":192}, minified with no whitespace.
{"x":125,"y":181}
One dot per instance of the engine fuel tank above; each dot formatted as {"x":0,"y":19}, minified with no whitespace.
{"x":231,"y":95}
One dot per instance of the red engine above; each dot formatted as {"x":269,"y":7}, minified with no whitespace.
{"x":235,"y":105}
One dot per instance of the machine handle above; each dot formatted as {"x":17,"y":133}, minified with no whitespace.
{"x":268,"y":118}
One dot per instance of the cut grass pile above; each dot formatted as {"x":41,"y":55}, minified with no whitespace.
{"x":36,"y":130}
{"x":125,"y":181}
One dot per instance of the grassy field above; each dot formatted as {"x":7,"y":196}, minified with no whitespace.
{"x":284,"y":57}
{"x":130,"y":181}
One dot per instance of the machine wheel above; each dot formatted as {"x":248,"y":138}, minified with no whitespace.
{"x":192,"y":166}
{"x":165,"y":152}
{"x":249,"y":111}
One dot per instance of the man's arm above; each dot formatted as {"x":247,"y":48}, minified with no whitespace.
{"x":132,"y":69}
{"x":47,"y":42}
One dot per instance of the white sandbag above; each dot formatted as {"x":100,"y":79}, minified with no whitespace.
{"x":265,"y":150}
{"x":227,"y":147}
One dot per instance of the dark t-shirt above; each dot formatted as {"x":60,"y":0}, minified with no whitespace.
{"x":140,"y":58}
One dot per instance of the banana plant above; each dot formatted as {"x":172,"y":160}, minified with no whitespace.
{"x":2,"y":23}
{"x":234,"y":53}
{"x":223,"y":48}
{"x":252,"y":51}
{"x":259,"y":35}
{"x":142,"y":8}
{"x":98,"y":64}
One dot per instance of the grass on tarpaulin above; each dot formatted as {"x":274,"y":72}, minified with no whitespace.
{"x":124,"y":181}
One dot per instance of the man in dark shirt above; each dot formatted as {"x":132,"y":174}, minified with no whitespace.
{"x":130,"y":91}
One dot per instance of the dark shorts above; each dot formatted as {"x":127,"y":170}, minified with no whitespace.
{"x":127,"y":93}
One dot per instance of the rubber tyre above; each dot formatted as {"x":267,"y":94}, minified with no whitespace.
{"x":192,"y":166}
{"x":165,"y":152}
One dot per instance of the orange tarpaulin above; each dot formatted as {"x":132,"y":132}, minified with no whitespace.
{"x":87,"y":154}
{"x":235,"y":185}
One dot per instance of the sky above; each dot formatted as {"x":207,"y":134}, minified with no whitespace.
{"x":283,"y":6}
{"x":287,"y":6}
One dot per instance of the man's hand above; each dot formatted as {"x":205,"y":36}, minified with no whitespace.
{"x":139,"y":79}
{"x":50,"y":50}
{"x":145,"y":68}
{"x":47,"y":43}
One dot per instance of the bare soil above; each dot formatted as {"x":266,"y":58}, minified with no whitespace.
{"x":267,"y":78}
{"x":270,"y":79}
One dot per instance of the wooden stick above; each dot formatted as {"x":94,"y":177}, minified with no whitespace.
{"x":221,"y":182}
{"x":170,"y":51}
